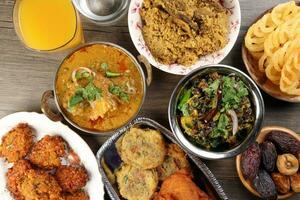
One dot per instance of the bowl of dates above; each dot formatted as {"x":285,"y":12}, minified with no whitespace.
{"x":269,"y":168}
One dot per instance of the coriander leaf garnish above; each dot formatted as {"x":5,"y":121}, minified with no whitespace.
{"x":110,"y":74}
{"x":119,"y":91}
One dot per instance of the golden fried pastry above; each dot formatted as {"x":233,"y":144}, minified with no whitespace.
{"x":180,"y":186}
{"x":47,"y":152}
{"x":39,"y":185}
{"x":81,"y":195}
{"x":144,"y":148}
{"x":175,"y":160}
{"x":71,"y":178}
{"x":135,"y":183}
{"x":16,"y":143}
{"x":14,"y":175}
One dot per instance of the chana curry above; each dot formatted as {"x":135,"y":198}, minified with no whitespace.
{"x":215,"y":111}
{"x":99,"y":87}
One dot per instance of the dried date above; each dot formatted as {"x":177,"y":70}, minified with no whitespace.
{"x":250,"y":161}
{"x":282,"y":183}
{"x":295,"y":182}
{"x":268,"y":156}
{"x":284,"y":142}
{"x":264,"y":185}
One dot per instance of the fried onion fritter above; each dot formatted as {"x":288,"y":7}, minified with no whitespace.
{"x":17,"y":143}
{"x":71,"y":178}
{"x":14,"y":175}
{"x":47,"y":152}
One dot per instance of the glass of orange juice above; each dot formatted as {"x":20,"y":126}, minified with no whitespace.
{"x":47,"y":25}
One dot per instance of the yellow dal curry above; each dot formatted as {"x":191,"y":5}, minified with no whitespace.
{"x":99,"y":88}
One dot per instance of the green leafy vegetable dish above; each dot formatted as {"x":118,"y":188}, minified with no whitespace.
{"x":215,"y":111}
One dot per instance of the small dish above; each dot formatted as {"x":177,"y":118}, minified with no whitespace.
{"x":108,"y":153}
{"x":87,"y":56}
{"x":135,"y":29}
{"x":254,"y":96}
{"x":261,"y":137}
{"x":259,"y":77}
{"x":43,"y":126}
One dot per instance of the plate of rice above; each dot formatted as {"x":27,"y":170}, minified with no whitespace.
{"x":179,"y":36}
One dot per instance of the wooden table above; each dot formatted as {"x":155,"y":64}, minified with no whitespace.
{"x":25,"y":75}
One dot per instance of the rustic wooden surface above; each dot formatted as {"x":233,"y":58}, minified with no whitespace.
{"x":25,"y":74}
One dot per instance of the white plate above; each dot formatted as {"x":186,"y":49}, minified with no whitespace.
{"x":135,"y":29}
{"x":43,"y":126}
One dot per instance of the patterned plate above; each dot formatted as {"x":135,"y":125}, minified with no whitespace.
{"x":135,"y":27}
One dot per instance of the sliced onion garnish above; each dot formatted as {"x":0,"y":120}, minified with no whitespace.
{"x":235,"y":122}
{"x":81,"y":68}
{"x":130,"y":89}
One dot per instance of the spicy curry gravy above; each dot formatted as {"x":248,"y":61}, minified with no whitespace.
{"x":99,"y":87}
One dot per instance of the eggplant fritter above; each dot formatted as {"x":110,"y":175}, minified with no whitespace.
{"x":47,"y":152}
{"x":14,"y":175}
{"x":71,"y":178}
{"x":39,"y":185}
{"x":180,"y":186}
{"x":176,"y":159}
{"x":17,"y":143}
{"x":144,"y":148}
{"x":81,"y":195}
{"x":136,"y":183}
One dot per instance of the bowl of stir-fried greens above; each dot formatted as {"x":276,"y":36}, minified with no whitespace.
{"x":216,"y":112}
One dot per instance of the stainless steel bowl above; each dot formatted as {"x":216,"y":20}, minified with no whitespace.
{"x":51,"y":94}
{"x":256,"y":99}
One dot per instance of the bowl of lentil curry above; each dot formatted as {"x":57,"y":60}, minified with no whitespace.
{"x":98,"y":88}
{"x":180,"y":35}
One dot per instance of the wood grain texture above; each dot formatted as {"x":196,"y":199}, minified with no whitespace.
{"x":25,"y":75}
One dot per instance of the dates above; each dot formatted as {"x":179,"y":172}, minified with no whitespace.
{"x":250,"y":161}
{"x":282,"y":183}
{"x":295,"y":182}
{"x":268,"y":156}
{"x":284,"y":142}
{"x":264,"y":185}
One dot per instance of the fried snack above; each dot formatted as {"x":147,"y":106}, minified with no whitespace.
{"x":135,"y":183}
{"x":47,"y":152}
{"x":71,"y":178}
{"x":180,"y":186}
{"x":16,"y":143}
{"x":176,"y":159}
{"x":39,"y":185}
{"x":274,"y":42}
{"x":81,"y":195}
{"x":144,"y":148}
{"x":14,"y":175}
{"x":181,"y":31}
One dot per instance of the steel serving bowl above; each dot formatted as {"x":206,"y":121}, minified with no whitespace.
{"x":256,"y":99}
{"x":51,"y":94}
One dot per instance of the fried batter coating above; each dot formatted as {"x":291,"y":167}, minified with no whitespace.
{"x":180,"y":186}
{"x":14,"y":175}
{"x":39,"y":185}
{"x":47,"y":152}
{"x":144,"y":148}
{"x":17,"y":143}
{"x":136,"y":183}
{"x":81,"y":195}
{"x":71,"y":178}
{"x":175,"y":160}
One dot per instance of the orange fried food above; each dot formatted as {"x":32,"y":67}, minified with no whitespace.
{"x":39,"y":185}
{"x":14,"y":175}
{"x":81,"y":195}
{"x":47,"y":152}
{"x":180,"y":186}
{"x":71,"y":178}
{"x":16,"y":143}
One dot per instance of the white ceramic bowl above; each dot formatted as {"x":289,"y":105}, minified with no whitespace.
{"x":135,"y":30}
{"x":43,"y":126}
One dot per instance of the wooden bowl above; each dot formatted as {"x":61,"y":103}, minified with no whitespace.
{"x":260,"y":78}
{"x":261,"y":137}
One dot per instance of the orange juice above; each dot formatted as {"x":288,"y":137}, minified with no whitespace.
{"x":48,"y":25}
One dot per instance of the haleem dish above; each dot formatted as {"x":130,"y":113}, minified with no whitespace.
{"x":182,"y":31}
{"x":99,"y":87}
